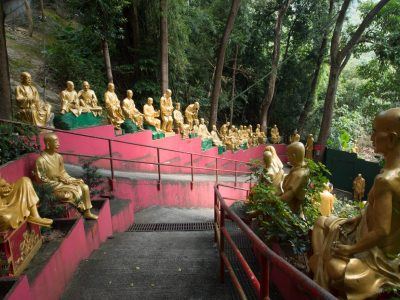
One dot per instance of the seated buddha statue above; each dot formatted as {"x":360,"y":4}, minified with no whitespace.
{"x":196,"y":126}
{"x":203,"y":131}
{"x":114,"y":112}
{"x":50,"y":171}
{"x":89,"y":100}
{"x":250,"y":135}
{"x":150,"y":115}
{"x":275,"y":137}
{"x":191,"y":113}
{"x":70,"y":101}
{"x":215,"y":137}
{"x":294,"y":184}
{"x":18,"y":202}
{"x":31,"y":109}
{"x":130,"y":110}
{"x":359,"y":257}
{"x":167,"y":108}
{"x":179,"y":122}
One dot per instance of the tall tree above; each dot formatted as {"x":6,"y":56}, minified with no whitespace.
{"x":312,"y":96}
{"x":233,"y":82}
{"x":164,"y":44}
{"x":220,"y":62}
{"x":103,"y":18}
{"x":274,"y":65}
{"x":28,"y":12}
{"x":5,"y":95}
{"x":339,"y":57}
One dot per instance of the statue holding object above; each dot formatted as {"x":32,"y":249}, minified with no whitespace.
{"x":130,"y":110}
{"x":191,"y":113}
{"x":31,"y":109}
{"x":89,"y":100}
{"x":150,"y":115}
{"x":359,"y":257}
{"x":50,"y":171}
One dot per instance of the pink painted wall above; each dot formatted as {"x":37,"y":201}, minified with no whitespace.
{"x":20,"y":290}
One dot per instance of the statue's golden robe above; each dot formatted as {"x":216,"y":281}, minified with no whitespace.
{"x":50,"y":171}
{"x":15,"y":201}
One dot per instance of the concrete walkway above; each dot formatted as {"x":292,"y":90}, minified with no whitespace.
{"x":154,"y":265}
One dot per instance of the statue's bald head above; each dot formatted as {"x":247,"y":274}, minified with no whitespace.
{"x":388,"y":120}
{"x":51,"y":141}
{"x":295,"y":153}
{"x":26,"y":78}
{"x":268,"y":156}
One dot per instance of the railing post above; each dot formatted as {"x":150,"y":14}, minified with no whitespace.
{"x":235,"y":174}
{"x":264,"y":291}
{"x":216,"y":170}
{"x":215,"y":216}
{"x":221,"y":245}
{"x":111,"y":164}
{"x":191,"y":171}
{"x":158,"y":169}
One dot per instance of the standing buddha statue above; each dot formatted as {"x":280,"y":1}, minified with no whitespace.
{"x":310,"y":146}
{"x":114,"y":111}
{"x":166,"y":111}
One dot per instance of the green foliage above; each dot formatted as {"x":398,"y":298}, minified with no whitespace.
{"x":74,"y":55}
{"x":275,"y":219}
{"x":91,"y":175}
{"x":345,"y":208}
{"x":16,"y":140}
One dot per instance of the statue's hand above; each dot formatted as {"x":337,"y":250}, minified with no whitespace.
{"x":342,"y":250}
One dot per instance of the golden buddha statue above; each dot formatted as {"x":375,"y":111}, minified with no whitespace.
{"x":359,"y":257}
{"x":150,"y":115}
{"x":70,"y":101}
{"x":50,"y":171}
{"x":294,"y":184}
{"x":166,"y":111}
{"x":250,"y":135}
{"x":359,"y":188}
{"x":18,"y":203}
{"x":327,"y":200}
{"x":130,"y":110}
{"x":203,"y":131}
{"x":275,"y":137}
{"x":179,"y":122}
{"x":196,"y":127}
{"x":260,"y":135}
{"x":295,"y":137}
{"x":191,"y":113}
{"x":274,"y":167}
{"x":89,"y":100}
{"x":31,"y":109}
{"x":310,"y":146}
{"x":215,"y":137}
{"x":223,"y":131}
{"x":113,"y":107}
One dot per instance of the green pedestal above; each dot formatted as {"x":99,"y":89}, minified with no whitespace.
{"x":221,"y":149}
{"x":206,"y":144}
{"x":244,"y":146}
{"x":192,"y":135}
{"x":129,"y":126}
{"x":69,"y":121}
{"x":156,"y":135}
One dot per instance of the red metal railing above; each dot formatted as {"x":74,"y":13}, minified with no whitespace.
{"x":111,"y":158}
{"x":268,"y":257}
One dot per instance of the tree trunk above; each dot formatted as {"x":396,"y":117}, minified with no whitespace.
{"x":274,"y":66}
{"x":234,"y":81}
{"x":134,"y":22}
{"x":5,"y":94}
{"x":312,"y":96}
{"x":339,"y":59}
{"x":164,"y":44}
{"x":107,"y":61}
{"x":42,"y":10}
{"x":28,"y":12}
{"x":220,"y":62}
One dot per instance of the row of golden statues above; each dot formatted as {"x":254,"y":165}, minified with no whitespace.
{"x":359,"y":257}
